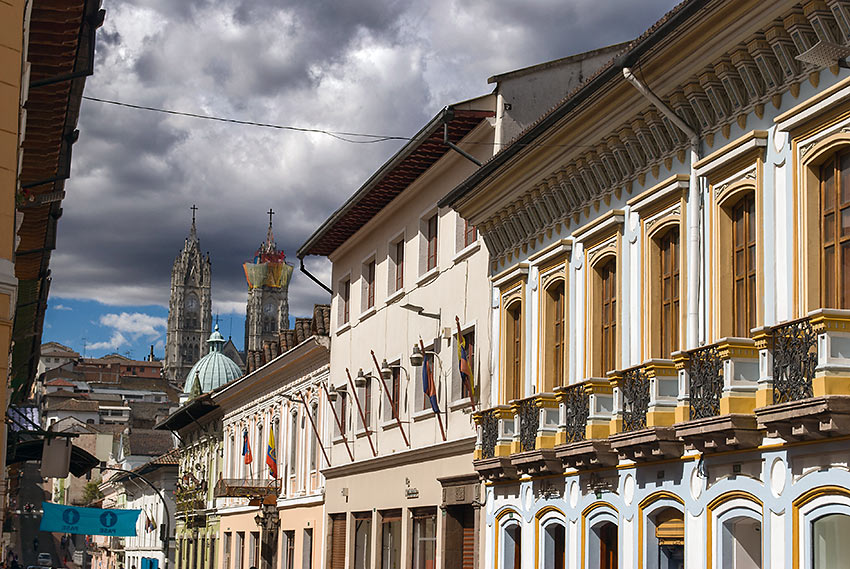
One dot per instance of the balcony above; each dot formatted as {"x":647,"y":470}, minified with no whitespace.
{"x":717,"y":385}
{"x":805,"y":391}
{"x":495,"y":433}
{"x":644,"y":412}
{"x":585,"y":423}
{"x":246,"y":488}
{"x":535,"y":427}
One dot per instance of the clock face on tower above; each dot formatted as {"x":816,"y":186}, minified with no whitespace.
{"x":268,"y":309}
{"x":192,"y":303}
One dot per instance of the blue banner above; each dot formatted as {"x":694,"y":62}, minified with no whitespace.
{"x":88,"y":521}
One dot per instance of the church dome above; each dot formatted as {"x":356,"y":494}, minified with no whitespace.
{"x":213,"y":370}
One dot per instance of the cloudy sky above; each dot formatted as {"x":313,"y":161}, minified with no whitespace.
{"x":373,"y":66}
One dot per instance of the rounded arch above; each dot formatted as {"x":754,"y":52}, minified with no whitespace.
{"x":599,"y":525}
{"x":659,"y":503}
{"x":672,"y":220}
{"x":821,"y":150}
{"x":812,"y":505}
{"x":602,"y":257}
{"x":725,"y":513}
{"x":508,"y":538}
{"x":728,"y":195}
{"x":550,"y":537}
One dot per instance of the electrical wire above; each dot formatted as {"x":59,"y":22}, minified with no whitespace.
{"x":339,"y":135}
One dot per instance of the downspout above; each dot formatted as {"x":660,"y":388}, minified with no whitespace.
{"x":692,"y":339}
{"x":447,"y":116}
{"x":313,"y":277}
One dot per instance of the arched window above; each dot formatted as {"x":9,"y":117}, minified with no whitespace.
{"x":555,"y":336}
{"x":744,"y":229}
{"x":511,"y":546}
{"x":554,"y":545}
{"x":269,"y":318}
{"x":665,"y":539}
{"x":602,"y":545}
{"x":668,"y":287}
{"x":608,"y":316}
{"x":192,"y":312}
{"x":835,"y":230}
{"x":513,"y":351}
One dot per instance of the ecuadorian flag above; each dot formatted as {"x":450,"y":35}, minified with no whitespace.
{"x":428,"y":383}
{"x":247,"y":457}
{"x":464,"y":367}
{"x":271,"y":455}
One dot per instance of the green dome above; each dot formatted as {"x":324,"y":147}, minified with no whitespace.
{"x":213,"y":370}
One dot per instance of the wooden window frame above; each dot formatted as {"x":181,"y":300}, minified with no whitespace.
{"x":669,"y":281}
{"x":369,"y":270}
{"x":744,"y":215}
{"x":345,"y":300}
{"x":398,"y":264}
{"x":432,"y":225}
{"x":554,"y":343}
{"x":470,"y":234}
{"x":514,"y":347}
{"x":832,"y":285}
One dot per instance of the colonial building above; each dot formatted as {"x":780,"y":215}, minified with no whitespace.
{"x":189,"y":309}
{"x":267,"y":309}
{"x":198,"y":428}
{"x":409,"y":283}
{"x":272,"y":492}
{"x":669,"y":312}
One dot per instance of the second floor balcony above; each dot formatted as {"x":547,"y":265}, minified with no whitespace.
{"x":790,"y":381}
{"x":247,"y":487}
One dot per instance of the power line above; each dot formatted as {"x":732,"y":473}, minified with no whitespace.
{"x":339,"y":135}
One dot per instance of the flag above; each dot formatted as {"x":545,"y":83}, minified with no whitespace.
{"x":463,"y":364}
{"x":271,"y":455}
{"x":150,"y":524}
{"x":246,"y":448}
{"x":428,"y":383}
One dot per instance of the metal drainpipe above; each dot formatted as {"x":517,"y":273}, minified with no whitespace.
{"x":313,"y":277}
{"x":694,"y":208}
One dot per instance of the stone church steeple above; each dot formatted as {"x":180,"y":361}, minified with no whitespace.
{"x":189,"y":309}
{"x":268,"y":278}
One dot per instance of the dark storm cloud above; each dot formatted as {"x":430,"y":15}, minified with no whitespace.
{"x":374,"y":66}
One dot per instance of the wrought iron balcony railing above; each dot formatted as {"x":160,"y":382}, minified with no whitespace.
{"x":489,"y":425}
{"x":634,"y":386}
{"x":575,"y":404}
{"x":705,"y":371}
{"x":795,"y":358}
{"x":529,"y":421}
{"x":247,"y":487}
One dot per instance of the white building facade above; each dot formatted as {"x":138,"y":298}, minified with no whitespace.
{"x":407,"y":279}
{"x":669,"y":314}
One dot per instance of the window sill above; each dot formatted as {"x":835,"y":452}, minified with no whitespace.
{"x":395,"y":296}
{"x":466,"y":252}
{"x":338,"y":440}
{"x":360,"y":433}
{"x":344,"y":328}
{"x":423,"y":414}
{"x":428,"y":276}
{"x":389,"y":424}
{"x":366,"y":314}
{"x":460,"y":404}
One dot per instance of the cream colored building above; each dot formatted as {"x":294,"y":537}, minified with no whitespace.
{"x":403,"y":271}
{"x":672,"y":387}
{"x":274,"y":519}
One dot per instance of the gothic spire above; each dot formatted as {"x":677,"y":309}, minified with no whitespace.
{"x":193,"y":233}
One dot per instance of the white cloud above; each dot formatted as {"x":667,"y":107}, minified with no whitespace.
{"x":61,"y":307}
{"x":135,"y":325}
{"x":116,"y":341}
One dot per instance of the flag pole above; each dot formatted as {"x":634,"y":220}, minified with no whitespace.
{"x":392,"y":401}
{"x":360,"y":410}
{"x":338,"y":422}
{"x":468,"y":379}
{"x":439,"y":417}
{"x":315,"y":428}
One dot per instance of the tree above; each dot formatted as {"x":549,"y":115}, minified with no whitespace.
{"x":91,"y":492}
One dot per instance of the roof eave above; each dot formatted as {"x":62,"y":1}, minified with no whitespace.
{"x":614,"y":71}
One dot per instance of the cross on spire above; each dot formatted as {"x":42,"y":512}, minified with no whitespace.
{"x":194,"y":208}
{"x":271,"y":213}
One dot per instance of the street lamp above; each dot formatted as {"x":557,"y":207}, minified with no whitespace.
{"x":416,"y":356}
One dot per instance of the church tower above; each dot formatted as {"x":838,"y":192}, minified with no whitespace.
{"x":189,"y":309}
{"x":268,"y":278}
